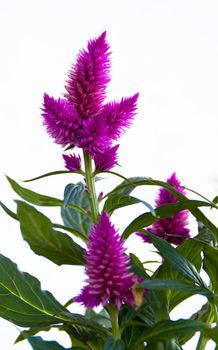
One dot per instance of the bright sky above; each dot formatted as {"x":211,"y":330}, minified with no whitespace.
{"x":166,"y":50}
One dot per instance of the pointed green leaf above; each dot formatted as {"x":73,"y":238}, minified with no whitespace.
{"x":71,"y":217}
{"x":21,"y":299}
{"x":34,"y":197}
{"x":211,"y":265}
{"x":212,"y":333}
{"x":177,"y":260}
{"x":37,"y":230}
{"x":38,"y":343}
{"x":167,"y":284}
{"x":57,"y":172}
{"x":113,"y":344}
{"x":170,"y":329}
{"x":120,"y":201}
{"x":163,"y":211}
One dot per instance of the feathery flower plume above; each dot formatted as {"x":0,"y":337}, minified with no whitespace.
{"x":106,"y":160}
{"x":172,"y":229}
{"x":107,"y":268}
{"x":82,"y":119}
{"x":72,"y":162}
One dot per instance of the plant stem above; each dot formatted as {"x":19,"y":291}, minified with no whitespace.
{"x":113,"y":312}
{"x":90,"y":181}
{"x":203,"y":340}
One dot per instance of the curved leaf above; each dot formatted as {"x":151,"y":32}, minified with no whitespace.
{"x":38,"y":343}
{"x":164,"y":211}
{"x":120,"y":201}
{"x":57,"y":172}
{"x":75,"y":195}
{"x":37,"y":230}
{"x":21,"y":299}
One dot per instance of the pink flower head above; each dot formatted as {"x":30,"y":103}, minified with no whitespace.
{"x":106,"y":160}
{"x":82,"y":119}
{"x":172,"y":229}
{"x":72,"y":162}
{"x":107,"y":268}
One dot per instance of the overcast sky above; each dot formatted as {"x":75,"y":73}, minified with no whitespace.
{"x":166,"y":50}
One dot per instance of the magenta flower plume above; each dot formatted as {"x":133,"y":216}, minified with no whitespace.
{"x":89,"y":77}
{"x":106,"y":160}
{"x":72,"y":162}
{"x":172,"y":229}
{"x":107,"y":268}
{"x":82,"y":119}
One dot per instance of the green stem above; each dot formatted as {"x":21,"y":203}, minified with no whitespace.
{"x":202,"y":342}
{"x":90,"y":181}
{"x":113,"y":312}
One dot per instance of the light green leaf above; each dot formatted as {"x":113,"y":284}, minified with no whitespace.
{"x":37,"y":230}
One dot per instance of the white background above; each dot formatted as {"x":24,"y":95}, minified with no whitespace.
{"x":166,"y":50}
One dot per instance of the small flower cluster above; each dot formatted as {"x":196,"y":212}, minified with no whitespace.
{"x":172,"y":229}
{"x":81,"y":118}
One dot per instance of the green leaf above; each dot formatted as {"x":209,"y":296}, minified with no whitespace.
{"x":127,"y":186}
{"x":215,"y":200}
{"x":71,"y":217}
{"x":113,"y":344}
{"x":163,"y":211}
{"x":8,"y":211}
{"x":177,"y":260}
{"x":210,"y":264}
{"x":120,"y":201}
{"x":212,"y":333}
{"x":57,"y":172}
{"x":38,"y":343}
{"x":204,"y":234}
{"x":34,"y":197}
{"x":170,"y":329}
{"x":21,"y":299}
{"x":37,"y":230}
{"x":167,"y":284}
{"x":30,"y":332}
{"x":191,"y":249}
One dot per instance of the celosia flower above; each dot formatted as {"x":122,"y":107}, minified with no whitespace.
{"x":107,"y":159}
{"x":82,"y":119}
{"x":107,"y":268}
{"x":172,"y":229}
{"x":72,"y":162}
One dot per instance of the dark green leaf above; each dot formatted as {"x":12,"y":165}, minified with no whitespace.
{"x":127,"y":186}
{"x":215,"y":200}
{"x":204,"y":234}
{"x":113,"y":344}
{"x":167,"y":284}
{"x":38,"y":343}
{"x":177,"y":260}
{"x":171,"y":329}
{"x":37,"y":230}
{"x":191,"y":249}
{"x":8,"y":211}
{"x":211,"y":265}
{"x":71,"y":217}
{"x":212,"y":333}
{"x":21,"y":299}
{"x":164,"y":211}
{"x":120,"y":201}
{"x":58,"y":172}
{"x":30,"y":332}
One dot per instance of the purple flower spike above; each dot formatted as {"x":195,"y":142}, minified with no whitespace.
{"x":60,"y":119}
{"x":106,"y":160}
{"x":171,"y":229}
{"x":72,"y":162}
{"x":89,"y":77}
{"x":107,"y":268}
{"x":119,"y":115}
